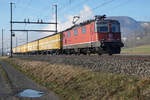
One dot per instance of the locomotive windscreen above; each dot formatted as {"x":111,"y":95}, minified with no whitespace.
{"x":115,"y":27}
{"x":102,"y":27}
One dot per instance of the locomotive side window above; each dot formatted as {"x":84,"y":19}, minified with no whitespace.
{"x":102,"y":27}
{"x":75,"y":32}
{"x":83,"y":30}
{"x":69,"y":34}
{"x":115,"y":27}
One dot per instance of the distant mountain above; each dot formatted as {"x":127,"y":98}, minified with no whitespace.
{"x":129,"y":26}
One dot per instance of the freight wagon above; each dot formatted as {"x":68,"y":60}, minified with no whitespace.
{"x":46,"y":45}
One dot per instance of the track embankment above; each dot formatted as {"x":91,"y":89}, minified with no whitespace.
{"x":14,"y":82}
{"x":127,"y":65}
{"x":89,"y":77}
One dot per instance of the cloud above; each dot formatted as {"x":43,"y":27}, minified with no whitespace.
{"x":61,"y":25}
{"x":66,"y":24}
{"x":50,"y":26}
{"x":85,"y":14}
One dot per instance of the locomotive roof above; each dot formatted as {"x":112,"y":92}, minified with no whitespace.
{"x":90,"y":21}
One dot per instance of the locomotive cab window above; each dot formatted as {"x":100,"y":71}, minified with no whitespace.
{"x":102,"y":27}
{"x":115,"y":27}
{"x":69,"y":34}
{"x":75,"y":32}
{"x":83,"y":30}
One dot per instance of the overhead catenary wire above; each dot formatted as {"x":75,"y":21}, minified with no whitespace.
{"x":25,"y":6}
{"x":72,"y":7}
{"x":103,"y":4}
{"x":120,"y":4}
{"x":100,"y":5}
{"x":64,"y":6}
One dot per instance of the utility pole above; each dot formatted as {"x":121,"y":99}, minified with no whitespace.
{"x":27,"y":37}
{"x":56,"y":16}
{"x":2,"y":42}
{"x":11,"y":4}
{"x":27,"y":40}
{"x":16,"y":41}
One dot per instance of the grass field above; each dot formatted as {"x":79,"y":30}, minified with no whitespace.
{"x":72,"y":83}
{"x":145,"y":49}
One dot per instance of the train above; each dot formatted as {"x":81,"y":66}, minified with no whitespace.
{"x":97,"y":36}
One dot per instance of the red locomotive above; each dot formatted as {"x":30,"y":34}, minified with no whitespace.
{"x":100,"y":36}
{"x":94,"y":36}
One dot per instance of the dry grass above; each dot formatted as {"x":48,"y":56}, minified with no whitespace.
{"x":145,"y":49}
{"x":4,"y":74}
{"x":74,"y":83}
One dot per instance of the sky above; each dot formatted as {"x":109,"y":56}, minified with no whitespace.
{"x":44,"y":9}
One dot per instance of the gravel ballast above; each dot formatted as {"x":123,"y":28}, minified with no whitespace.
{"x":120,"y":64}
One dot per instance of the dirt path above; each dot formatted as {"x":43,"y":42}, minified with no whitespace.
{"x":19,"y":82}
{"x":5,"y":91}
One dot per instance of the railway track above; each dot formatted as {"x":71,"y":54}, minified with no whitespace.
{"x":120,"y":64}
